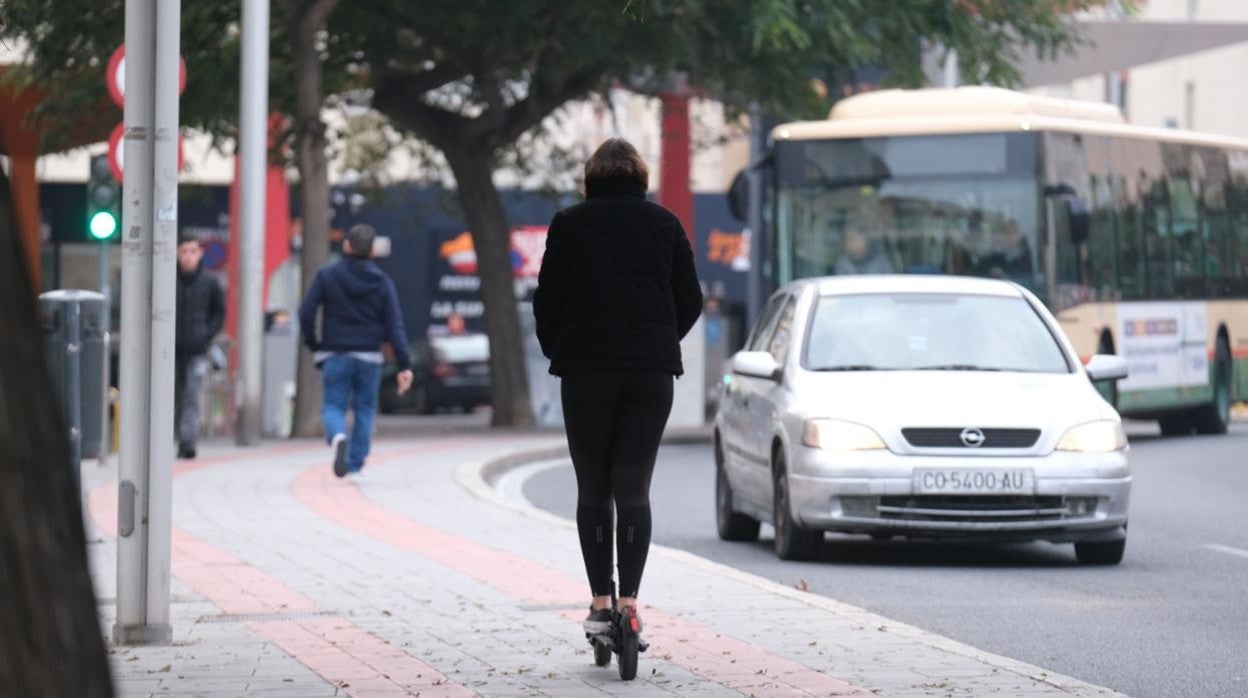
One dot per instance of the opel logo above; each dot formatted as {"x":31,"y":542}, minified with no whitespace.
{"x":972,"y":437}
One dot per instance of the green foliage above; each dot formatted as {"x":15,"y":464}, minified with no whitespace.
{"x":505,"y":64}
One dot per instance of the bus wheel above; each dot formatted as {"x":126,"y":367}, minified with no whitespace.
{"x":1215,"y":417}
{"x":1177,"y":424}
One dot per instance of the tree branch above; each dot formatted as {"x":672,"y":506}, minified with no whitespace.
{"x":491,"y":91}
{"x":545,"y":96}
{"x":420,"y":82}
{"x":317,"y":12}
{"x":407,"y":107}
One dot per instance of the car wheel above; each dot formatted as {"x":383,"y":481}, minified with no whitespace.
{"x":1215,"y":417}
{"x":1105,"y":553}
{"x":1178,"y":424}
{"x":793,"y":541}
{"x":732,"y":525}
{"x":420,"y":401}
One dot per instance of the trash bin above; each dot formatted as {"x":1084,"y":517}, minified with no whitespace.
{"x":281,"y":346}
{"x":76,"y":348}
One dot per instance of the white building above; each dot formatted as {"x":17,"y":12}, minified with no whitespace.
{"x":1202,"y":92}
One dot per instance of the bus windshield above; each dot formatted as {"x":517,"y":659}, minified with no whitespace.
{"x":954,"y":204}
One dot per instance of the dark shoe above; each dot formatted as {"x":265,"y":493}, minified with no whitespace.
{"x":186,"y":451}
{"x":339,"y":446}
{"x":598,"y":622}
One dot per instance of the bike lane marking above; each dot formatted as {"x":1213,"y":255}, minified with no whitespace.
{"x":721,"y":659}
{"x":339,"y":651}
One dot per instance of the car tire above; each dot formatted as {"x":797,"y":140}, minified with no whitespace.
{"x":1177,"y":424}
{"x":1103,"y":553}
{"x":793,"y":541}
{"x":1215,"y":417}
{"x":420,"y":400}
{"x":731,"y":525}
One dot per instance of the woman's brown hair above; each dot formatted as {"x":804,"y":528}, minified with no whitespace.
{"x":617,"y":157}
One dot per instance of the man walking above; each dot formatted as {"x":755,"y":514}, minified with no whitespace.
{"x":359,"y":310}
{"x":200,"y":315}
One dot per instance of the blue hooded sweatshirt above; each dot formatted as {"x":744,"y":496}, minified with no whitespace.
{"x":360,"y":310}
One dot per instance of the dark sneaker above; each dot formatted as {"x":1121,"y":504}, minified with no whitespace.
{"x":186,"y":451}
{"x":339,"y":447}
{"x":597,"y":622}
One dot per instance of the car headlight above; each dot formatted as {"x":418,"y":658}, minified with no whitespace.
{"x":1094,"y":437}
{"x":835,"y":435}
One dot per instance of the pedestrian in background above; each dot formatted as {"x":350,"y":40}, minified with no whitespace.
{"x":359,"y":311}
{"x":616,"y":293}
{"x":200,"y":316}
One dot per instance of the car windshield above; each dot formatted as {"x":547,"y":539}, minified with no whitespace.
{"x":937,"y":332}
{"x":461,"y":349}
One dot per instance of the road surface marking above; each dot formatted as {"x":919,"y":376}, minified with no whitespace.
{"x":732,"y":663}
{"x":1217,"y":547}
{"x":341,"y":652}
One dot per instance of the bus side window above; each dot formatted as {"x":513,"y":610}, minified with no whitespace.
{"x":1237,"y":229}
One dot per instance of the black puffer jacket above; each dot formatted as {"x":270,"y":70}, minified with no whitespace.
{"x":201,"y":312}
{"x":618,"y":288}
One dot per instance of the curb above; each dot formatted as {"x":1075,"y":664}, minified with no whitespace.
{"x":492,"y":470}
{"x":473,"y":478}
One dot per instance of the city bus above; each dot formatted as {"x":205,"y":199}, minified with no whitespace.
{"x":1136,"y":238}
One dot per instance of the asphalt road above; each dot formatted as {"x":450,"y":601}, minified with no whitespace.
{"x":1171,"y":620}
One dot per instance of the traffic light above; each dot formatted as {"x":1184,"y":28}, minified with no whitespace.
{"x":103,"y":201}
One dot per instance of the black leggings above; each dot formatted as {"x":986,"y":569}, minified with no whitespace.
{"x":615,"y":421}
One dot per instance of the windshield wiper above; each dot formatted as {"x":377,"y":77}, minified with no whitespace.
{"x":852,"y":367}
{"x":956,"y":367}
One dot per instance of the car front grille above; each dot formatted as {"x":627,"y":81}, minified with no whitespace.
{"x":984,"y":508}
{"x":951,"y":437}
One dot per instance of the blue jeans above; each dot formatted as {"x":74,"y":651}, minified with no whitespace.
{"x":349,"y":380}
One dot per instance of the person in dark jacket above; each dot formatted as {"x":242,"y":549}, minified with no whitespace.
{"x":200,"y":315}
{"x":616,"y":293}
{"x":359,"y":311}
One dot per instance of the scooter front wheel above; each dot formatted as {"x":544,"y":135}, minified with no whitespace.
{"x":602,"y":653}
{"x":630,"y":644}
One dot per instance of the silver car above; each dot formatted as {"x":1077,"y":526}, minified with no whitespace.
{"x":919,"y":406}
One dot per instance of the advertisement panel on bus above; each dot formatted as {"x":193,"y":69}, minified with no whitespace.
{"x":1165,"y":344}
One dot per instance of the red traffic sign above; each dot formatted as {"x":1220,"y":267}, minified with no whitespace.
{"x":115,"y":76}
{"x":117,"y":152}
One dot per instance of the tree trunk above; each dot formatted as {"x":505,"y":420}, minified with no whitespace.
{"x":304,"y":21}
{"x":478,"y":197}
{"x":52,"y":640}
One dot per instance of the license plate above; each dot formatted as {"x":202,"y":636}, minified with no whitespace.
{"x":974,"y":481}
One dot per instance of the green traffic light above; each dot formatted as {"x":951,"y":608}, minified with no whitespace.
{"x":102,"y":225}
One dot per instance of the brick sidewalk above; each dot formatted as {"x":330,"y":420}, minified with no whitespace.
{"x":423,"y":581}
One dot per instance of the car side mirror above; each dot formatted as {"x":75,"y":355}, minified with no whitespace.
{"x":758,"y":364}
{"x":1106,"y":367}
{"x":739,"y":195}
{"x":1079,"y":220}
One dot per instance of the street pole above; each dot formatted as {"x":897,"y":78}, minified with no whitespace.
{"x":253,"y":147}
{"x":951,"y":69}
{"x":106,"y":272}
{"x":754,"y":216}
{"x":106,"y":320}
{"x":149,"y":245}
{"x":136,"y":313}
{"x":164,"y":308}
